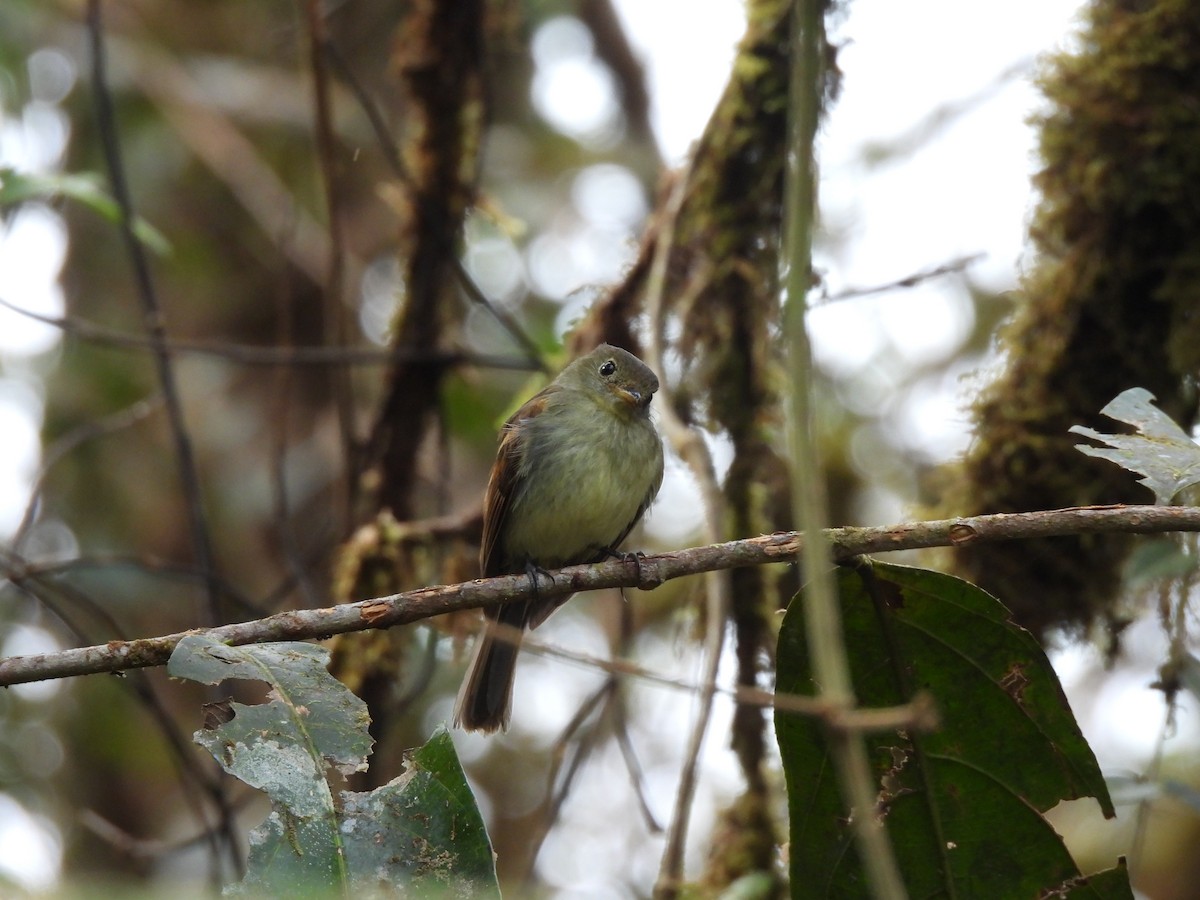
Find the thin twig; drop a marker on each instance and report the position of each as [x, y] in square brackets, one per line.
[280, 437]
[229, 154]
[151, 312]
[192, 775]
[391, 153]
[953, 267]
[152, 316]
[337, 328]
[558, 781]
[251, 355]
[81, 434]
[150, 566]
[650, 571]
[920, 714]
[618, 710]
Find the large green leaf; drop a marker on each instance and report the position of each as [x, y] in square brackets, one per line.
[420, 832]
[963, 804]
[423, 828]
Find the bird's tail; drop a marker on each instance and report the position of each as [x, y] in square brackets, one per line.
[485, 698]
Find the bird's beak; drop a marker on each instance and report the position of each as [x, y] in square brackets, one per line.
[634, 398]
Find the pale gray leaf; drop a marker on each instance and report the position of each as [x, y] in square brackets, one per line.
[1161, 452]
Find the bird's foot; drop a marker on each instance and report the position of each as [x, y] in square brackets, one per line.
[645, 581]
[532, 571]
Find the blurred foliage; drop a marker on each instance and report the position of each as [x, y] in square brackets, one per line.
[215, 116]
[324, 483]
[421, 832]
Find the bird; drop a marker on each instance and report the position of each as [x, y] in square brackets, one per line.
[577, 466]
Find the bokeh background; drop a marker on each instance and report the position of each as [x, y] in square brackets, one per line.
[927, 158]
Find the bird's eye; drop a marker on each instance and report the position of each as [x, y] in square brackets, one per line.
[608, 368]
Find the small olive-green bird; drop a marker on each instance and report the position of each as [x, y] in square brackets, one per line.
[577, 466]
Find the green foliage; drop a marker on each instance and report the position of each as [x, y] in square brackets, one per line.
[420, 832]
[962, 804]
[1157, 560]
[84, 188]
[1161, 452]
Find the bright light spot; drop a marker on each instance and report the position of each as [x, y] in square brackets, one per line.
[378, 298]
[496, 265]
[1073, 661]
[609, 197]
[561, 39]
[30, 848]
[40, 750]
[931, 420]
[927, 325]
[47, 130]
[572, 90]
[561, 262]
[845, 337]
[674, 518]
[51, 75]
[32, 250]
[687, 49]
[20, 455]
[550, 690]
[576, 97]
[50, 540]
[1133, 719]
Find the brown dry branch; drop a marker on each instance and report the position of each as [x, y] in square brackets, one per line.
[644, 572]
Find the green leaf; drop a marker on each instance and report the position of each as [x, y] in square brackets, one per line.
[422, 831]
[282, 747]
[310, 714]
[1162, 453]
[963, 804]
[21, 187]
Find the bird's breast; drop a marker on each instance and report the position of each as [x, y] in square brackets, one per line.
[580, 496]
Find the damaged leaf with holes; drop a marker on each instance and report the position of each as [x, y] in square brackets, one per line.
[1161, 452]
[421, 832]
[963, 805]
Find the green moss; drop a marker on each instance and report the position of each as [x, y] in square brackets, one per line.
[1108, 306]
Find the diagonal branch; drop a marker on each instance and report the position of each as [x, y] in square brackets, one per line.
[647, 573]
[152, 314]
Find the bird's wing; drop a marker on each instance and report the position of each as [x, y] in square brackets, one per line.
[502, 483]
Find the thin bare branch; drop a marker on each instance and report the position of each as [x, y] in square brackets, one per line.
[918, 715]
[953, 267]
[647, 573]
[391, 153]
[81, 434]
[251, 355]
[151, 310]
[337, 329]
